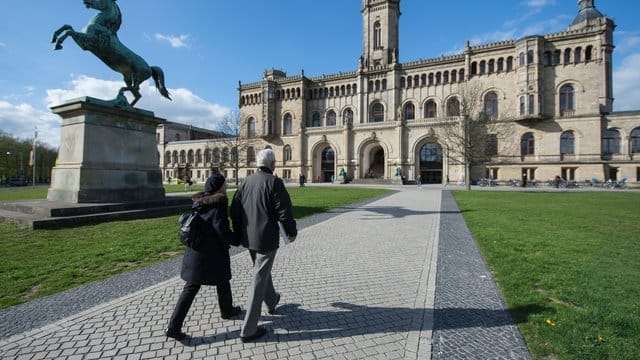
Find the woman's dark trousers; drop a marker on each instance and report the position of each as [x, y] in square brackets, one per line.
[189, 292]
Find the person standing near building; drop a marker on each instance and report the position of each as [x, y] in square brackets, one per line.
[259, 205]
[210, 263]
[419, 182]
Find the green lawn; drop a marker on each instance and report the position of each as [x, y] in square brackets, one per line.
[35, 263]
[574, 258]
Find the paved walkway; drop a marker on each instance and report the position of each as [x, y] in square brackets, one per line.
[356, 285]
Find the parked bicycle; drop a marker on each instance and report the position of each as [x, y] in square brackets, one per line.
[484, 182]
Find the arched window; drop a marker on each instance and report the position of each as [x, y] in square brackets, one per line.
[438, 78]
[567, 143]
[500, 64]
[190, 157]
[377, 35]
[174, 158]
[234, 154]
[546, 58]
[556, 57]
[315, 120]
[521, 59]
[611, 142]
[454, 76]
[207, 156]
[483, 65]
[286, 153]
[167, 157]
[530, 57]
[430, 109]
[492, 66]
[251, 127]
[225, 155]
[216, 155]
[510, 63]
[423, 80]
[445, 77]
[491, 104]
[635, 141]
[527, 144]
[577, 55]
[409, 82]
[430, 79]
[377, 113]
[251, 155]
[588, 53]
[331, 118]
[567, 105]
[198, 156]
[522, 105]
[287, 124]
[403, 82]
[474, 68]
[409, 111]
[347, 116]
[453, 107]
[567, 56]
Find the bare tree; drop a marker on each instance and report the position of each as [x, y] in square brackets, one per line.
[472, 139]
[237, 149]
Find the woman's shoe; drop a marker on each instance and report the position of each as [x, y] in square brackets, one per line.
[176, 334]
[234, 311]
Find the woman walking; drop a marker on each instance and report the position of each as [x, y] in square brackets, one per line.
[210, 263]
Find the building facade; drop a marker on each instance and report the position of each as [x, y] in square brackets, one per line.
[551, 96]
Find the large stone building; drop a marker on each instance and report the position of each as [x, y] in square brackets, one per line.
[550, 96]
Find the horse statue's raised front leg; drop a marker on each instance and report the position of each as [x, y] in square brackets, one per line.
[59, 40]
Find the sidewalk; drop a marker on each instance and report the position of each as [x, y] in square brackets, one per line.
[359, 283]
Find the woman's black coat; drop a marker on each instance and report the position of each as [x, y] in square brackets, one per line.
[210, 264]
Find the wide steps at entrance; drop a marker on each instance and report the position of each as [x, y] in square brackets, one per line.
[371, 181]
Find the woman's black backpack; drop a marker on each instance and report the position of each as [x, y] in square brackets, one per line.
[190, 231]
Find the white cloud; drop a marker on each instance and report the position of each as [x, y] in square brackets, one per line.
[19, 120]
[627, 42]
[174, 41]
[625, 84]
[538, 3]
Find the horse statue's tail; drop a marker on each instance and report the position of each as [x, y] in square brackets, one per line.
[158, 77]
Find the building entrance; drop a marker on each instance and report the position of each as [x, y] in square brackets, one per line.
[327, 165]
[431, 163]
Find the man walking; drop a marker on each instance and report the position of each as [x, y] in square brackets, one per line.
[259, 204]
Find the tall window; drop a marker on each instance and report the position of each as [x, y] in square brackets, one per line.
[530, 57]
[521, 59]
[377, 113]
[409, 111]
[567, 143]
[611, 142]
[567, 56]
[377, 35]
[225, 155]
[286, 153]
[331, 118]
[500, 64]
[315, 120]
[183, 157]
[522, 105]
[216, 155]
[430, 109]
[527, 144]
[287, 124]
[532, 104]
[556, 57]
[453, 107]
[190, 157]
[566, 100]
[492, 66]
[577, 55]
[347, 116]
[198, 156]
[251, 155]
[207, 156]
[635, 141]
[491, 104]
[510, 63]
[251, 127]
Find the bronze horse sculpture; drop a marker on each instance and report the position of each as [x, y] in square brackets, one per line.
[101, 38]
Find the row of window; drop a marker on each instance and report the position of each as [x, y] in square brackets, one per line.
[215, 156]
[611, 142]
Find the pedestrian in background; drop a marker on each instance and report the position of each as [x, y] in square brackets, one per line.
[259, 205]
[210, 263]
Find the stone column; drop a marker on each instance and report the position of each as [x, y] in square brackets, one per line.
[107, 154]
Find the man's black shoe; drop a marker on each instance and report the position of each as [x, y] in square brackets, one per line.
[273, 310]
[234, 311]
[176, 334]
[258, 334]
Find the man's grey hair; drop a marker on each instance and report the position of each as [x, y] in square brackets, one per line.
[265, 158]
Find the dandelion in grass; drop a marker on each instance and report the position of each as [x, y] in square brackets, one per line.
[550, 322]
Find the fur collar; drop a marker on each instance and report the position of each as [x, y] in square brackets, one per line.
[214, 199]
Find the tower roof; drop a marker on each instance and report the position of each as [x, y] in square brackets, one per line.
[587, 12]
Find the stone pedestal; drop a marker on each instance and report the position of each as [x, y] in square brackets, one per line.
[107, 154]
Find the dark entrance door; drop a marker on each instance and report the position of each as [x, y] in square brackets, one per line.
[431, 163]
[327, 165]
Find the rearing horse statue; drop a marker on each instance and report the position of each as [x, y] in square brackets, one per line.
[101, 38]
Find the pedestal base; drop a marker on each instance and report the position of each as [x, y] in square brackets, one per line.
[107, 154]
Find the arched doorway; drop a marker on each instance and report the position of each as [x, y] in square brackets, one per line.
[327, 164]
[373, 162]
[431, 163]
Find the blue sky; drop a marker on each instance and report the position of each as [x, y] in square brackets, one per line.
[206, 46]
